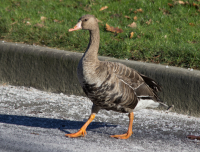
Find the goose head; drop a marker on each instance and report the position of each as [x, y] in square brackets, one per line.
[86, 22]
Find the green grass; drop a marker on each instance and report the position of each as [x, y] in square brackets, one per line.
[172, 37]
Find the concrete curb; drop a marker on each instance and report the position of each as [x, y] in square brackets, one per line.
[55, 70]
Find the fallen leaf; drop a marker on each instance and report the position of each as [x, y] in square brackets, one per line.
[127, 17]
[57, 21]
[191, 24]
[139, 10]
[103, 8]
[193, 137]
[181, 2]
[87, 8]
[178, 29]
[39, 25]
[28, 23]
[170, 5]
[113, 29]
[196, 5]
[133, 25]
[165, 12]
[131, 35]
[42, 18]
[148, 22]
[13, 23]
[135, 18]
[34, 133]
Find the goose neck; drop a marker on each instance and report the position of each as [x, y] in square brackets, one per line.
[91, 54]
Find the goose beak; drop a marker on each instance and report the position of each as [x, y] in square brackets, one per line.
[76, 27]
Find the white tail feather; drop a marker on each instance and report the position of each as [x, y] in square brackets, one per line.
[142, 104]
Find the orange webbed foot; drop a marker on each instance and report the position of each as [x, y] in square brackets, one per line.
[80, 133]
[129, 132]
[123, 136]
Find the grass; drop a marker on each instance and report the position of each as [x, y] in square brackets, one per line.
[172, 35]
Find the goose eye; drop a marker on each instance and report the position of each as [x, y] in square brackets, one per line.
[86, 19]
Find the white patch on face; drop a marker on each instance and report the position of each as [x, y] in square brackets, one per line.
[142, 104]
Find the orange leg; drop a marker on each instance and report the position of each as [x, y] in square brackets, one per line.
[129, 132]
[82, 131]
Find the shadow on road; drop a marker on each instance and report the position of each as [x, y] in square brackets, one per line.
[49, 122]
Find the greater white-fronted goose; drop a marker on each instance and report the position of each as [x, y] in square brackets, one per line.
[109, 85]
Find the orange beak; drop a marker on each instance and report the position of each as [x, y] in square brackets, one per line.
[76, 27]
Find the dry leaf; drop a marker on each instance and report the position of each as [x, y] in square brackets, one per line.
[127, 17]
[13, 23]
[43, 18]
[170, 5]
[57, 21]
[87, 8]
[139, 10]
[28, 23]
[135, 18]
[178, 29]
[196, 5]
[113, 29]
[39, 25]
[191, 24]
[193, 137]
[131, 35]
[181, 2]
[103, 8]
[133, 25]
[148, 22]
[165, 12]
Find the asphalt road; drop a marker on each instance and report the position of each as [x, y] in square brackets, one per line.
[36, 121]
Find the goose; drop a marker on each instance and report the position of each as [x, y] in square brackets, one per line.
[111, 85]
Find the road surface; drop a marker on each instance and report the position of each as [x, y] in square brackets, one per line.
[36, 121]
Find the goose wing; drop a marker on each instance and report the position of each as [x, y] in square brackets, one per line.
[144, 87]
[118, 87]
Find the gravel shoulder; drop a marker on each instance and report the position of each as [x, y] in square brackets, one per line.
[33, 120]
